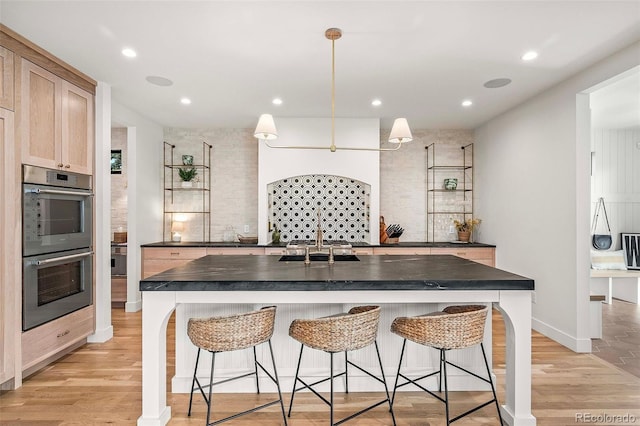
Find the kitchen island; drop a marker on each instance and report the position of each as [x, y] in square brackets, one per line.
[386, 280]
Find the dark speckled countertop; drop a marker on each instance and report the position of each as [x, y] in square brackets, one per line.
[267, 273]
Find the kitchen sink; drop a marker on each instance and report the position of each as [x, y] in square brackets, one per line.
[319, 257]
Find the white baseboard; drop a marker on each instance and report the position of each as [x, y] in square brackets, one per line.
[101, 336]
[571, 342]
[164, 418]
[133, 306]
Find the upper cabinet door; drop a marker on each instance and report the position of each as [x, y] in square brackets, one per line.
[6, 79]
[57, 122]
[40, 117]
[77, 129]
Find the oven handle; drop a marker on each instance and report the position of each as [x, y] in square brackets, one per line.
[59, 192]
[58, 259]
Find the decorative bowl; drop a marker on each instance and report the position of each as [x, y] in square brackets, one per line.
[450, 183]
[247, 240]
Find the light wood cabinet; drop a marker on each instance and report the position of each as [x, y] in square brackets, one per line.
[6, 78]
[484, 255]
[118, 291]
[274, 251]
[57, 121]
[47, 340]
[46, 119]
[235, 250]
[362, 251]
[402, 250]
[159, 259]
[9, 274]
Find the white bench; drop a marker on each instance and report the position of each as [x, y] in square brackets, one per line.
[613, 273]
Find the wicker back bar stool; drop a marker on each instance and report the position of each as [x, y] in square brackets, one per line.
[232, 333]
[354, 330]
[456, 327]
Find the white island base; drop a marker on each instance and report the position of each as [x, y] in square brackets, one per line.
[158, 306]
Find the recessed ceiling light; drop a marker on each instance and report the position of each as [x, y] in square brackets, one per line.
[376, 102]
[497, 82]
[159, 81]
[277, 101]
[467, 103]
[129, 52]
[185, 101]
[530, 56]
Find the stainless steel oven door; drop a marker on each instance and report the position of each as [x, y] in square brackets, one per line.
[54, 285]
[55, 219]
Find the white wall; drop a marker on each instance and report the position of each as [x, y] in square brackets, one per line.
[102, 202]
[234, 179]
[119, 183]
[616, 178]
[532, 191]
[144, 193]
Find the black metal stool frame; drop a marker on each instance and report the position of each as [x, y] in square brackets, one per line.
[442, 372]
[333, 376]
[207, 397]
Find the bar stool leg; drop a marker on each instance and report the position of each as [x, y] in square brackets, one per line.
[275, 374]
[213, 359]
[295, 381]
[255, 366]
[384, 381]
[395, 386]
[331, 388]
[346, 375]
[493, 389]
[193, 382]
[440, 373]
[443, 356]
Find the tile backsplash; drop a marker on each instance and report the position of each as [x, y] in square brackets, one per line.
[343, 204]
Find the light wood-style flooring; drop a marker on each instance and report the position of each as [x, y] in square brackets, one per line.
[100, 384]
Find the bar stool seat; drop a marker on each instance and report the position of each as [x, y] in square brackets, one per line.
[231, 333]
[456, 327]
[354, 330]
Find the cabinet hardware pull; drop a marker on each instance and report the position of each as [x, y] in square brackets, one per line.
[64, 333]
[175, 253]
[59, 192]
[62, 258]
[60, 164]
[68, 166]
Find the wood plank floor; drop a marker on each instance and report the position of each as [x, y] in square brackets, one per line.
[100, 384]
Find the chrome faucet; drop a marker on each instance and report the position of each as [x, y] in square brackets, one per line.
[319, 234]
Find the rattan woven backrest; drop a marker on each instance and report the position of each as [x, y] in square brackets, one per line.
[354, 330]
[458, 327]
[232, 332]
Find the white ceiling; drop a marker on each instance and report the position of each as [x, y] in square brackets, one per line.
[421, 58]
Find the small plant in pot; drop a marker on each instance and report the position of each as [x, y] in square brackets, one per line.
[187, 175]
[465, 228]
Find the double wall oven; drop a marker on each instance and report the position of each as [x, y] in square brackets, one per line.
[57, 244]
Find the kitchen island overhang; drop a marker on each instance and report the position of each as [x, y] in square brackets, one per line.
[374, 279]
[386, 273]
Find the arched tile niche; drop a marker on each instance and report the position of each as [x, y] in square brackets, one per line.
[343, 204]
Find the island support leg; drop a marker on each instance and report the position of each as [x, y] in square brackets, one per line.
[157, 307]
[516, 309]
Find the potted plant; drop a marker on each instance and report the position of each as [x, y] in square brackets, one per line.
[187, 175]
[465, 228]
